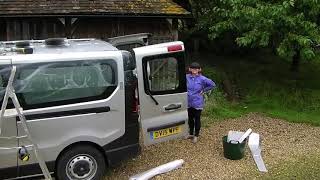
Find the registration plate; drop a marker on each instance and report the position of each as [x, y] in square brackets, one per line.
[165, 132]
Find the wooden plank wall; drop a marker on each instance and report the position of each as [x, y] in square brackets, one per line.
[3, 29]
[163, 30]
[30, 28]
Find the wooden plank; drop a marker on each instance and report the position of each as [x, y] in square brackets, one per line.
[25, 30]
[68, 27]
[17, 30]
[8, 31]
[174, 29]
[44, 29]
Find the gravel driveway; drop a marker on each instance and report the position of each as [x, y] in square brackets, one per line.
[281, 142]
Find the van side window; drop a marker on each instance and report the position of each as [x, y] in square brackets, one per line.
[2, 87]
[4, 77]
[60, 83]
[164, 74]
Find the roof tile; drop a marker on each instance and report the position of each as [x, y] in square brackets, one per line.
[90, 7]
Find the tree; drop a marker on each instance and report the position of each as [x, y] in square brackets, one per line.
[287, 26]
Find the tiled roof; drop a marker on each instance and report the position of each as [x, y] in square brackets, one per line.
[91, 7]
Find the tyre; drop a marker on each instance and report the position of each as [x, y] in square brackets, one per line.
[81, 162]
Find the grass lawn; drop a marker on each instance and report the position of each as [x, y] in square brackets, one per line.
[303, 167]
[264, 85]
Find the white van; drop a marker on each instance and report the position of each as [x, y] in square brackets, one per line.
[81, 97]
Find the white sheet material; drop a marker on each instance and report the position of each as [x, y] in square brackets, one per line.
[158, 170]
[238, 136]
[254, 140]
[234, 136]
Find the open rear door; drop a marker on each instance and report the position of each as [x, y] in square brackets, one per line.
[162, 91]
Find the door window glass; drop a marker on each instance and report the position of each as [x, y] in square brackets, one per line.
[65, 82]
[164, 74]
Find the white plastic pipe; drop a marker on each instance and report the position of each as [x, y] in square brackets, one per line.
[246, 134]
[158, 170]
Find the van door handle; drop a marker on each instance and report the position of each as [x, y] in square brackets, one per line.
[172, 107]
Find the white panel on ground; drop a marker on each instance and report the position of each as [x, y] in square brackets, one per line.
[254, 145]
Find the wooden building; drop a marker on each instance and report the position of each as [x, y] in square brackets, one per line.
[41, 19]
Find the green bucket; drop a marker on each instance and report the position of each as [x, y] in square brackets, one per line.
[233, 151]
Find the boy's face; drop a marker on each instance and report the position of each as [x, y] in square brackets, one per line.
[195, 71]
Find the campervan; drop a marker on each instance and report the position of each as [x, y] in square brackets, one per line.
[86, 103]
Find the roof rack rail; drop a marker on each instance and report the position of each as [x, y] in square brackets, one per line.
[42, 41]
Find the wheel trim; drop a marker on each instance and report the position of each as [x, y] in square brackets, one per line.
[81, 167]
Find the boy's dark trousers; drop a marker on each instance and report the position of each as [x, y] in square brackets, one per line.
[194, 121]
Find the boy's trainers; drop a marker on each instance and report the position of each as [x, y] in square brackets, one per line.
[195, 139]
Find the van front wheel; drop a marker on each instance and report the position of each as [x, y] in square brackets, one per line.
[81, 162]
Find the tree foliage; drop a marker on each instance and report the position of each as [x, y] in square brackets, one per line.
[288, 26]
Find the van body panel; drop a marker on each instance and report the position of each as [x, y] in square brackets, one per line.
[87, 92]
[100, 127]
[79, 56]
[162, 92]
[8, 148]
[5, 61]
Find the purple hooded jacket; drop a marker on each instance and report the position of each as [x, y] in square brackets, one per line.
[196, 85]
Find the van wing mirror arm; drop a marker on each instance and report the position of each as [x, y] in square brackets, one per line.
[155, 101]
